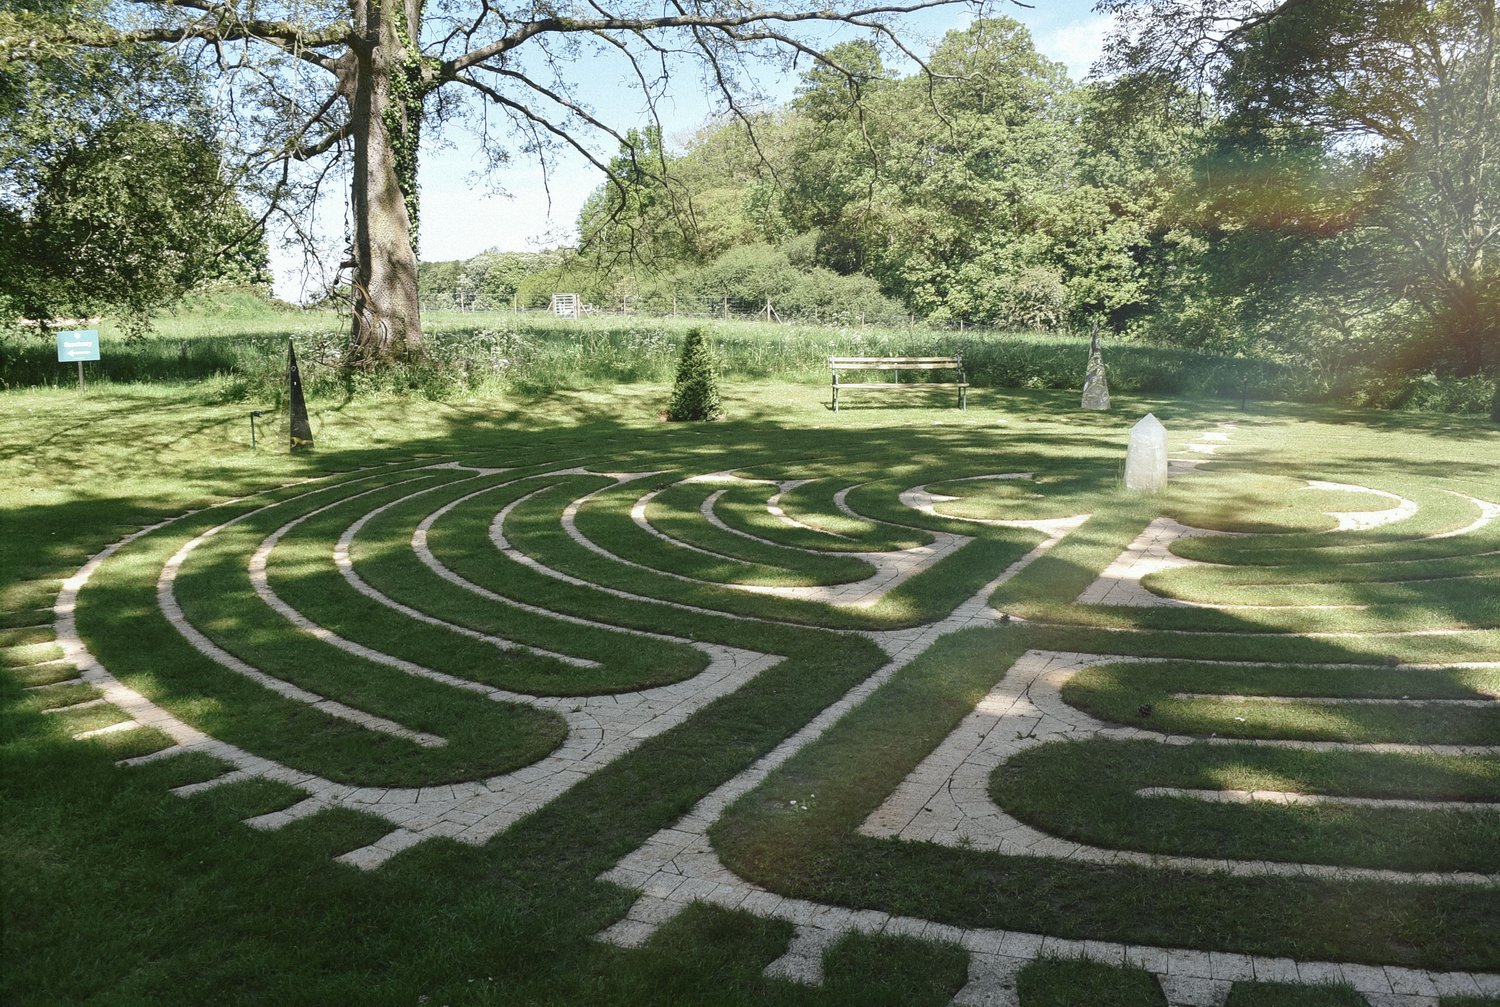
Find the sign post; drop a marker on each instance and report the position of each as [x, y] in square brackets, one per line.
[77, 345]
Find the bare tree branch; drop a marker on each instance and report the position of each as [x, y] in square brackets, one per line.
[555, 25]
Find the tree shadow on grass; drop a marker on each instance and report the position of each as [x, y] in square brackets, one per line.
[523, 907]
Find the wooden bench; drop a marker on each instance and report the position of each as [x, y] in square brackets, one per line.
[899, 364]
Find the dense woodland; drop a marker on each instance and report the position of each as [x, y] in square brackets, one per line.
[1342, 225]
[1315, 183]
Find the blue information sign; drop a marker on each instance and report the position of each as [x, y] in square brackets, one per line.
[77, 344]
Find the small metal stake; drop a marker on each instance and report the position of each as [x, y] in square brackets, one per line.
[253, 415]
[80, 375]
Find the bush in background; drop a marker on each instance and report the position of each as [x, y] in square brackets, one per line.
[744, 279]
[1426, 393]
[695, 393]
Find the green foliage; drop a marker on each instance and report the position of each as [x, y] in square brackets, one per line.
[994, 194]
[52, 95]
[744, 279]
[1000, 194]
[111, 188]
[228, 303]
[488, 281]
[243, 358]
[695, 393]
[403, 118]
[659, 211]
[1349, 204]
[635, 216]
[133, 218]
[1428, 393]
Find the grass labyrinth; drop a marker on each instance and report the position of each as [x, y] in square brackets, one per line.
[883, 710]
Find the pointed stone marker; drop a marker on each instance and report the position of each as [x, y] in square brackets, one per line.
[1146, 458]
[300, 427]
[1095, 382]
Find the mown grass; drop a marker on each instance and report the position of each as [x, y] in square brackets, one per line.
[384, 562]
[1152, 695]
[1086, 792]
[819, 854]
[676, 512]
[1060, 982]
[811, 505]
[1288, 995]
[117, 890]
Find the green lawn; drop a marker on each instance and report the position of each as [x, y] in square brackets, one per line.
[428, 626]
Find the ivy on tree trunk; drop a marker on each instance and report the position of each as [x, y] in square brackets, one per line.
[385, 121]
[381, 60]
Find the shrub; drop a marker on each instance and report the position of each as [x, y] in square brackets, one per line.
[1426, 393]
[695, 393]
[743, 279]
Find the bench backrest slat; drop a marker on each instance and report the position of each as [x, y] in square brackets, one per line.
[893, 363]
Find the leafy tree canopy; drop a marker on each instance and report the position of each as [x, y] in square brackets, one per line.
[1397, 102]
[112, 192]
[308, 86]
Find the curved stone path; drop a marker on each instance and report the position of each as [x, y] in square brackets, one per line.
[167, 600]
[944, 800]
[678, 866]
[601, 728]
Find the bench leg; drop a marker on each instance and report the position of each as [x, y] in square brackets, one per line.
[835, 398]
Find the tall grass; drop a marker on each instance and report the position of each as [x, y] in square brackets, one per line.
[243, 358]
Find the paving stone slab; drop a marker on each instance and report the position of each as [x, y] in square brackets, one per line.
[1194, 991]
[992, 982]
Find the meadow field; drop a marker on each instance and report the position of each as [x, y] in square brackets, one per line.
[516, 694]
[234, 349]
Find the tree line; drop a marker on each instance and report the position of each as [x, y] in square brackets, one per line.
[1309, 179]
[1324, 187]
[312, 92]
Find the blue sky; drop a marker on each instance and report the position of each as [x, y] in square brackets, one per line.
[462, 217]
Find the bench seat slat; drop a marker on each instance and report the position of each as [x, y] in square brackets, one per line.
[904, 385]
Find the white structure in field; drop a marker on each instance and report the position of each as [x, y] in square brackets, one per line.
[567, 306]
[1146, 459]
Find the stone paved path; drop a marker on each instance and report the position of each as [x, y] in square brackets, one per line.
[892, 569]
[944, 800]
[1151, 552]
[601, 728]
[678, 866]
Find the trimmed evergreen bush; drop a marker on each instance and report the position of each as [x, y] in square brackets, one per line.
[695, 393]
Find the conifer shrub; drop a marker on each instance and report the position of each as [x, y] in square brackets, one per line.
[695, 393]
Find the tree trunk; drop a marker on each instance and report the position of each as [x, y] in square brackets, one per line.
[384, 111]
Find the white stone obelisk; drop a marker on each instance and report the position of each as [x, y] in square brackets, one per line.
[1146, 458]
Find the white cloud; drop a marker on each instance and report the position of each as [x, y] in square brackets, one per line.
[1077, 44]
